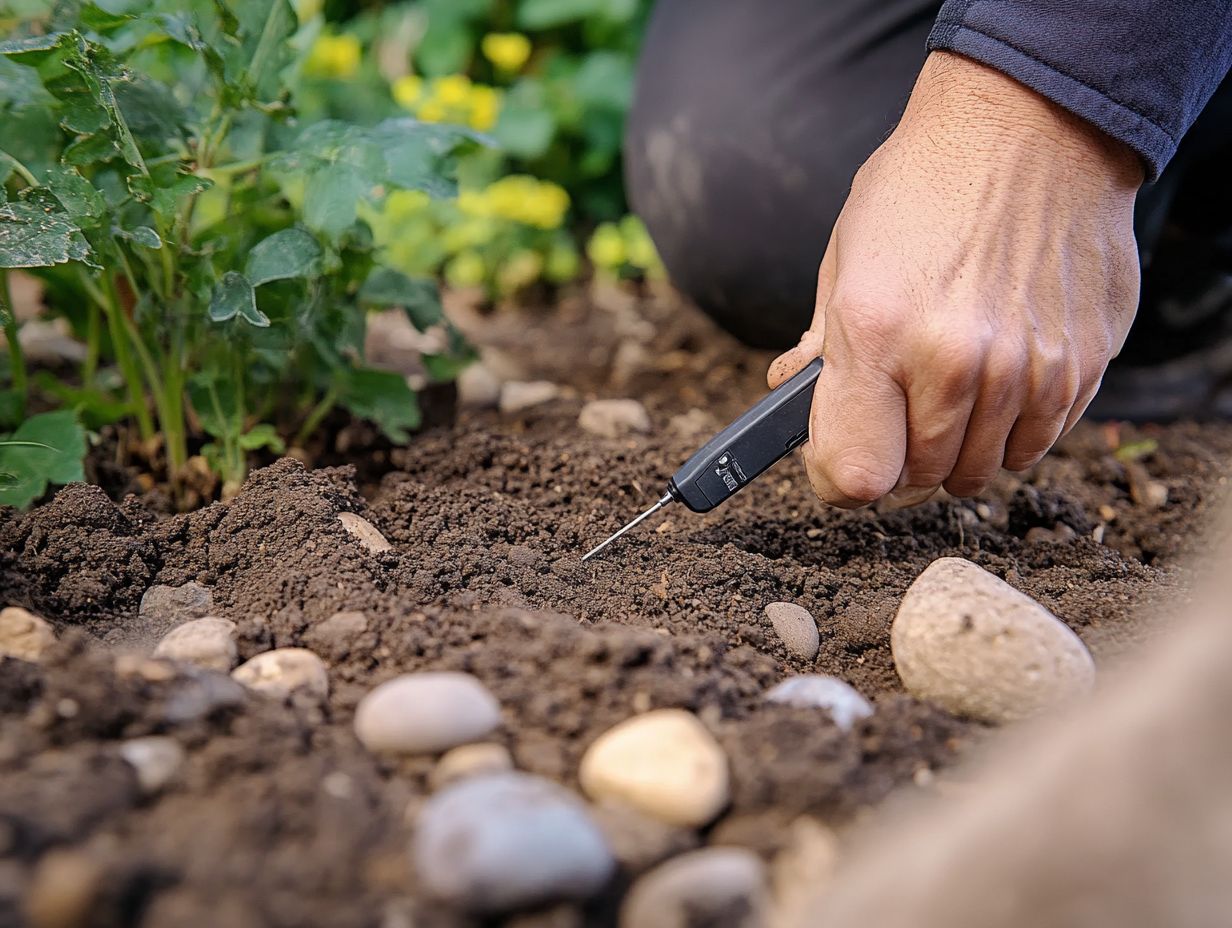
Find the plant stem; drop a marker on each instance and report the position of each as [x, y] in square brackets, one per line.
[315, 417]
[94, 336]
[25, 173]
[17, 359]
[110, 304]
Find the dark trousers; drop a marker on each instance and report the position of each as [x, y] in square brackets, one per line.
[750, 120]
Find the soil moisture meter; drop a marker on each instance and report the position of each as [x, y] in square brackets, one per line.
[761, 437]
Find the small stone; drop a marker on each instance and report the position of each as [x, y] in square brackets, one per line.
[693, 424]
[200, 694]
[630, 360]
[283, 671]
[469, 760]
[156, 759]
[63, 890]
[364, 532]
[712, 886]
[1107, 513]
[505, 841]
[972, 644]
[208, 643]
[845, 705]
[335, 636]
[166, 606]
[663, 763]
[796, 626]
[1156, 494]
[1060, 535]
[478, 387]
[23, 634]
[516, 396]
[801, 870]
[614, 418]
[425, 713]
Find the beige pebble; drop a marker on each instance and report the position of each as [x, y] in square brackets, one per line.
[364, 532]
[800, 870]
[23, 634]
[156, 759]
[516, 396]
[283, 671]
[478, 387]
[663, 763]
[711, 886]
[468, 760]
[208, 643]
[614, 418]
[972, 644]
[796, 626]
[63, 890]
[425, 713]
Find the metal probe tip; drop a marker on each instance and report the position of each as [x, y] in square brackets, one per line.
[667, 498]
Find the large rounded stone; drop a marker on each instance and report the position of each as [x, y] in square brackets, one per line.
[170, 605]
[504, 841]
[425, 713]
[208, 643]
[972, 644]
[796, 626]
[713, 886]
[614, 418]
[816, 691]
[23, 634]
[283, 671]
[664, 763]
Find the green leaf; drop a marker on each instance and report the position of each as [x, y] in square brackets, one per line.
[444, 368]
[33, 234]
[141, 235]
[234, 296]
[526, 125]
[84, 116]
[94, 17]
[385, 399]
[45, 449]
[77, 195]
[34, 50]
[419, 297]
[90, 149]
[332, 198]
[166, 195]
[548, 14]
[290, 253]
[216, 402]
[262, 436]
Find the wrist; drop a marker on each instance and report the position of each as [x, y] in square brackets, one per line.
[967, 110]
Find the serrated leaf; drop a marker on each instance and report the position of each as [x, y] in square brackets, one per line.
[32, 234]
[141, 235]
[94, 17]
[165, 198]
[234, 296]
[384, 398]
[290, 253]
[419, 297]
[332, 198]
[99, 70]
[48, 449]
[262, 436]
[216, 403]
[33, 50]
[90, 149]
[84, 116]
[76, 194]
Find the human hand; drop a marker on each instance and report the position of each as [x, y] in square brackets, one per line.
[980, 277]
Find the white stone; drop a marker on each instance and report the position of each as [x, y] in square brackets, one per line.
[503, 841]
[156, 759]
[425, 713]
[972, 644]
[468, 760]
[23, 634]
[283, 671]
[171, 605]
[796, 626]
[517, 395]
[712, 886]
[364, 532]
[663, 763]
[614, 418]
[207, 643]
[478, 387]
[845, 705]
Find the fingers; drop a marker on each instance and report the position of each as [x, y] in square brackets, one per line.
[858, 434]
[792, 361]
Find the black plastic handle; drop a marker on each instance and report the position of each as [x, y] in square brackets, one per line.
[774, 427]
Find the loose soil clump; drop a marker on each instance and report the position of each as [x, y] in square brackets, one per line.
[279, 817]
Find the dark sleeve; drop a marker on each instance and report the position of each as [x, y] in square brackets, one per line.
[1140, 70]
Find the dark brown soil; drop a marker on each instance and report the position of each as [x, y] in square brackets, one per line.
[280, 818]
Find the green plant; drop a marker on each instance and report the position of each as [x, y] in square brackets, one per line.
[203, 242]
[46, 449]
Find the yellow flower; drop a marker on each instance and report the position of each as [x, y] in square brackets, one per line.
[561, 264]
[520, 270]
[307, 9]
[335, 56]
[452, 89]
[507, 50]
[432, 111]
[638, 245]
[465, 270]
[407, 90]
[485, 105]
[402, 204]
[606, 247]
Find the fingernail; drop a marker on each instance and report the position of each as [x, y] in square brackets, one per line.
[905, 497]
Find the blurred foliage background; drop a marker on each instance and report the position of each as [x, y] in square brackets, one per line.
[550, 81]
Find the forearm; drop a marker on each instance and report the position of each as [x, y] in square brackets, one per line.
[1139, 70]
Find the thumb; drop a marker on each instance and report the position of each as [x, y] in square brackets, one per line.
[794, 360]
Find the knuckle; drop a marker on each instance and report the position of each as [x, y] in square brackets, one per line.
[968, 484]
[858, 478]
[1006, 368]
